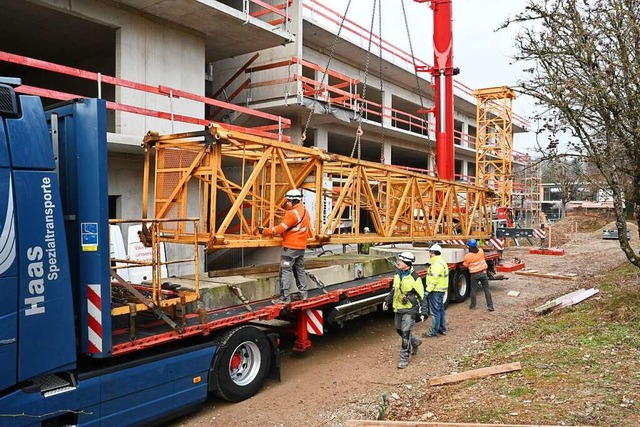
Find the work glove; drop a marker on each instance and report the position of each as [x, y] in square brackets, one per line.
[266, 231]
[421, 317]
[385, 306]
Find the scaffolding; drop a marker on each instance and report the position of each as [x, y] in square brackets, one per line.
[527, 195]
[494, 144]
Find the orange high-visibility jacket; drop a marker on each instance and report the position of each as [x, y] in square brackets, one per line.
[475, 262]
[295, 227]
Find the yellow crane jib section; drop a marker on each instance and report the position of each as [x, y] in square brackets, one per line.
[494, 142]
[236, 182]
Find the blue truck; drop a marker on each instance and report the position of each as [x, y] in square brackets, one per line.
[57, 364]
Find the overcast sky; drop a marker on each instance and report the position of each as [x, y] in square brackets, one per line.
[483, 55]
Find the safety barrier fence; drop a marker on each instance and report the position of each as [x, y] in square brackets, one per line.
[319, 12]
[267, 11]
[272, 130]
[343, 91]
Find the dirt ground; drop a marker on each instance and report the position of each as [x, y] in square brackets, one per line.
[345, 374]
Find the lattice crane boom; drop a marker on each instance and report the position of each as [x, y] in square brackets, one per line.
[238, 182]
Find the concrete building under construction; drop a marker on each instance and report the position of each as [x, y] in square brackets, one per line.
[272, 68]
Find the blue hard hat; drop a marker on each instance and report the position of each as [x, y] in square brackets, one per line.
[472, 243]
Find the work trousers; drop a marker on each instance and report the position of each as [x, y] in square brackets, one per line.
[404, 323]
[477, 280]
[292, 271]
[436, 306]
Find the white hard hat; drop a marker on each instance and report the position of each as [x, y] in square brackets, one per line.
[407, 257]
[435, 248]
[293, 195]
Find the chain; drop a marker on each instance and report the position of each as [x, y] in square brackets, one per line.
[359, 131]
[381, 82]
[326, 68]
[415, 72]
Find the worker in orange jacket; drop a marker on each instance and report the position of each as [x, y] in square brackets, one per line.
[295, 229]
[477, 266]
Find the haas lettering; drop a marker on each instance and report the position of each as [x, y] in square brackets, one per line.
[35, 269]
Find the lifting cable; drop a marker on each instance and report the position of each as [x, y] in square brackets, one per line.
[415, 72]
[381, 82]
[364, 87]
[326, 69]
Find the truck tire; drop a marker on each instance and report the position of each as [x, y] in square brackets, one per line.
[461, 286]
[241, 363]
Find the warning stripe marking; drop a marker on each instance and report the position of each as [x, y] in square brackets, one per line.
[314, 322]
[94, 318]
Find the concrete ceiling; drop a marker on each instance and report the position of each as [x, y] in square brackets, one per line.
[229, 31]
[43, 33]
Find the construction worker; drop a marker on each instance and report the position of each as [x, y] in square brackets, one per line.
[405, 295]
[363, 248]
[437, 283]
[295, 229]
[477, 266]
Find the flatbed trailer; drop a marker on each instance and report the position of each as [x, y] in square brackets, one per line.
[336, 301]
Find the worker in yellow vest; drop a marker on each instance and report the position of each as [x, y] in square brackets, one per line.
[437, 283]
[406, 295]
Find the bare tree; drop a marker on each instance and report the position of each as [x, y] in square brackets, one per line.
[585, 74]
[567, 176]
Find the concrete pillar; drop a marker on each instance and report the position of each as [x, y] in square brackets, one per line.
[387, 101]
[322, 138]
[387, 152]
[465, 137]
[295, 132]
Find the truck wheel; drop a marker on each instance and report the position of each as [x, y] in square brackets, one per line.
[241, 363]
[461, 285]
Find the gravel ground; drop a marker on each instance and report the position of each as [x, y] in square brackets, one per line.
[345, 374]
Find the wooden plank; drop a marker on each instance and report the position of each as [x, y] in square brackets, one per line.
[476, 373]
[578, 298]
[546, 275]
[367, 423]
[554, 302]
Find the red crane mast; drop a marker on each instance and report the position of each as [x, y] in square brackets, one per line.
[442, 72]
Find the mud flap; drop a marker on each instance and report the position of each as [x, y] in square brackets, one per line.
[274, 370]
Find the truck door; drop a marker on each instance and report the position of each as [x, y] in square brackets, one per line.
[42, 292]
[8, 271]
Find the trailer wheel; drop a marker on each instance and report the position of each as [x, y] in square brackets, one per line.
[241, 363]
[461, 285]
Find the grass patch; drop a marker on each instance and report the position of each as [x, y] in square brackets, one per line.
[580, 366]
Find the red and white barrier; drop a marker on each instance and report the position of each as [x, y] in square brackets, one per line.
[539, 233]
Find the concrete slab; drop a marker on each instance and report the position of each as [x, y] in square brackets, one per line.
[215, 292]
[450, 255]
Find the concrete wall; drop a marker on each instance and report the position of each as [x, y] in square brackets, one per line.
[151, 52]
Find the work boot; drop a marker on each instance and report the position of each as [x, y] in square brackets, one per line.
[403, 364]
[281, 300]
[429, 334]
[414, 347]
